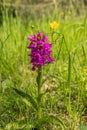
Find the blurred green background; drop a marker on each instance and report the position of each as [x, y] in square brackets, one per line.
[24, 8]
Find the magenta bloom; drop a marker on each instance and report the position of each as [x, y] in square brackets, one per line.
[40, 50]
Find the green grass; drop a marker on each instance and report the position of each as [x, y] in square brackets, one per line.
[67, 96]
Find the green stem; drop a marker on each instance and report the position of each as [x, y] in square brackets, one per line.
[39, 88]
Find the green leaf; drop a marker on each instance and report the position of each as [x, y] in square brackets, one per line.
[49, 119]
[27, 96]
[14, 126]
[69, 70]
[59, 121]
[42, 121]
[69, 83]
[84, 52]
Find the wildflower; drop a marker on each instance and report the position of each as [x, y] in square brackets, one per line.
[85, 71]
[54, 25]
[40, 50]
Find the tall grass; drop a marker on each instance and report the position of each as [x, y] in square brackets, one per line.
[66, 78]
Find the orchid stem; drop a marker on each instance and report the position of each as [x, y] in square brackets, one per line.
[39, 88]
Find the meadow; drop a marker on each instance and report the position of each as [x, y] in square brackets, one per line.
[65, 81]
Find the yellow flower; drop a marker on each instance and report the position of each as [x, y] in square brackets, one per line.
[85, 71]
[54, 25]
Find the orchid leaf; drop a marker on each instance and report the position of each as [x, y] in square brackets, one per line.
[27, 96]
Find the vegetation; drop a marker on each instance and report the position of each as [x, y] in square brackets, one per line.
[65, 81]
